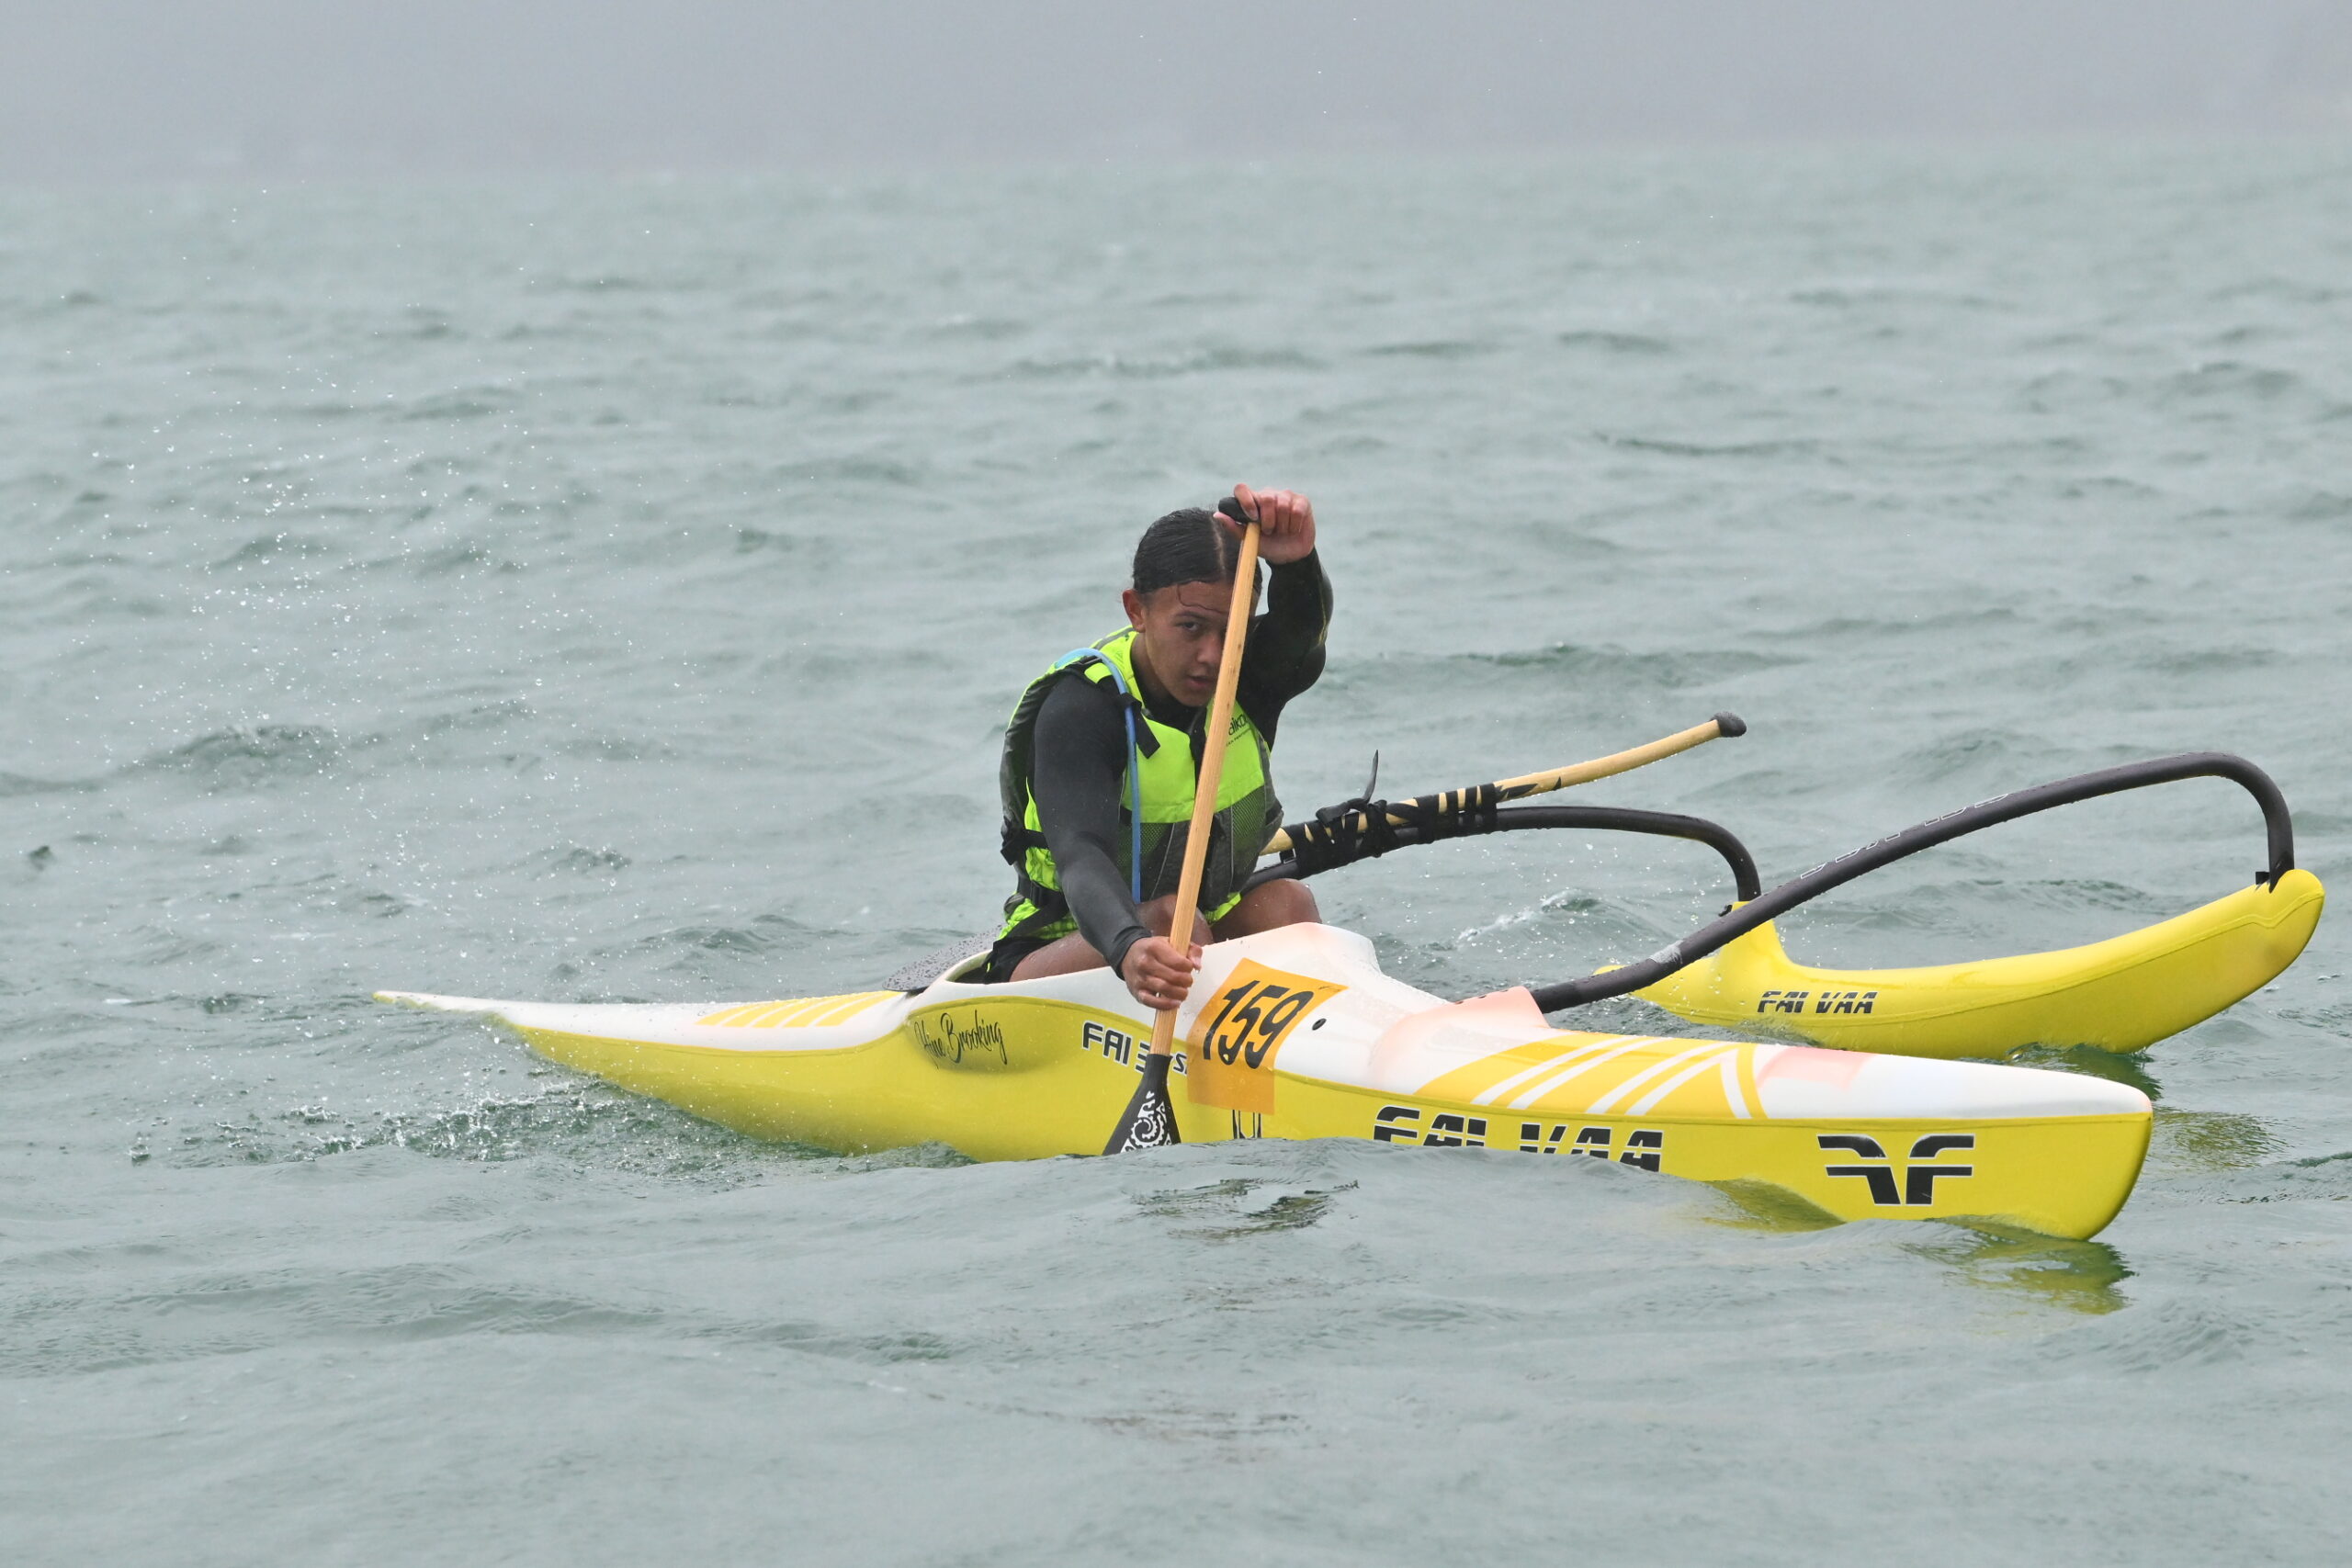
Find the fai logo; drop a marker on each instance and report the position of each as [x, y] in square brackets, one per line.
[1827, 1002]
[1917, 1187]
[1644, 1147]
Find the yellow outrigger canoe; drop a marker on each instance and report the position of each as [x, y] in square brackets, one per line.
[1297, 1034]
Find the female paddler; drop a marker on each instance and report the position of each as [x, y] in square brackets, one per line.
[1101, 756]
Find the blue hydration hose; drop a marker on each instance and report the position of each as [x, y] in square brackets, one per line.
[1134, 766]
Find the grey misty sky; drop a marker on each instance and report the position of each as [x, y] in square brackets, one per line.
[174, 88]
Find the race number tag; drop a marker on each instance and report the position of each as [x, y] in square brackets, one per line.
[1235, 1037]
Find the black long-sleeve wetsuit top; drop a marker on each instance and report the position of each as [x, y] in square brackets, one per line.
[1079, 766]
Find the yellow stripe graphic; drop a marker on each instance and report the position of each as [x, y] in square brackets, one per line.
[1488, 1096]
[1553, 1083]
[1735, 1065]
[1609, 1075]
[849, 1008]
[1649, 1101]
[794, 1014]
[1656, 1069]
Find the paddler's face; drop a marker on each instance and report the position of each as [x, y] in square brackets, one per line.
[1180, 637]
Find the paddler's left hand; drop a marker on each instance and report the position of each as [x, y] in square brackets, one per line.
[1285, 522]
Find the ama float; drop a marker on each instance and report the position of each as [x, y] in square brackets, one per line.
[1852, 1099]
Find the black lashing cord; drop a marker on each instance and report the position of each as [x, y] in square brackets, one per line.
[1364, 829]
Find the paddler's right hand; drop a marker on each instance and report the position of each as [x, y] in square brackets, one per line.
[1156, 975]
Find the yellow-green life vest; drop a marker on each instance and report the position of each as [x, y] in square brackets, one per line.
[1161, 773]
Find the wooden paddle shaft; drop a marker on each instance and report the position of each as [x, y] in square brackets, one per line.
[1561, 778]
[1212, 773]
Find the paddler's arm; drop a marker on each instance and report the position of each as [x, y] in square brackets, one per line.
[1080, 766]
[1285, 654]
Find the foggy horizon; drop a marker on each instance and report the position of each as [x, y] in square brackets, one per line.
[138, 89]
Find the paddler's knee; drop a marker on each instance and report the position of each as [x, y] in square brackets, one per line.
[1159, 914]
[1286, 902]
[1283, 903]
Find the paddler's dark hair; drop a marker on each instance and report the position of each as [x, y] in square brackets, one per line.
[1189, 546]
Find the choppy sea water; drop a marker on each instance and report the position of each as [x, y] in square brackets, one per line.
[613, 590]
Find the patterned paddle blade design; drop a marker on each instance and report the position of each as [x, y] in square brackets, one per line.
[1150, 1121]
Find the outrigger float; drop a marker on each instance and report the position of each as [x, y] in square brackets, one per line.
[1856, 1107]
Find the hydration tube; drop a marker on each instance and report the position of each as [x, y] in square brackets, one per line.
[1943, 829]
[1134, 768]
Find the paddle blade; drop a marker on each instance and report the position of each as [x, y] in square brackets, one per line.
[1150, 1121]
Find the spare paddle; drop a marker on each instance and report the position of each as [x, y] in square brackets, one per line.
[1150, 1120]
[1453, 801]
